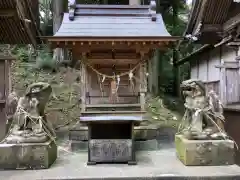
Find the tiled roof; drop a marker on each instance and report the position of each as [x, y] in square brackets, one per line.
[112, 21]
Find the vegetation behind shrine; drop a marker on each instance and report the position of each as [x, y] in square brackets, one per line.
[64, 105]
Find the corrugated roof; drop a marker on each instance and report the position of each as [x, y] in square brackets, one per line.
[112, 21]
[20, 27]
[214, 12]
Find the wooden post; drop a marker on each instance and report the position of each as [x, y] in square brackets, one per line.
[5, 88]
[150, 76]
[176, 82]
[83, 82]
[142, 84]
[223, 84]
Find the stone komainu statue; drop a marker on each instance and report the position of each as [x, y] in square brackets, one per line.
[203, 118]
[26, 118]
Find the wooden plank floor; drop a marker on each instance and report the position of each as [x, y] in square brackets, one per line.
[112, 105]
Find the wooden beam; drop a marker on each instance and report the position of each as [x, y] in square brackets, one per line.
[8, 12]
[228, 65]
[108, 46]
[110, 39]
[117, 61]
[231, 23]
[211, 28]
[108, 55]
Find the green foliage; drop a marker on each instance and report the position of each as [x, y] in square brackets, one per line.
[175, 18]
[22, 54]
[46, 17]
[160, 114]
[44, 59]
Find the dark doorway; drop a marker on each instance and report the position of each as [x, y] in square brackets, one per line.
[118, 2]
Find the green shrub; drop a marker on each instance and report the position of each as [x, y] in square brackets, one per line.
[22, 54]
[44, 59]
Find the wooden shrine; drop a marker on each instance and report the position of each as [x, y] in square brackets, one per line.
[112, 44]
[5, 87]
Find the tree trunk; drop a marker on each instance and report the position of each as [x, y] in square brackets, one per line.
[57, 20]
[176, 83]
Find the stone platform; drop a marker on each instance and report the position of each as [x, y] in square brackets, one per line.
[204, 152]
[152, 165]
[28, 155]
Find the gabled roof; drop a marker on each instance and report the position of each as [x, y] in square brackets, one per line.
[112, 26]
[113, 21]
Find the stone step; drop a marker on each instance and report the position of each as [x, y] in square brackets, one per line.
[113, 107]
[90, 113]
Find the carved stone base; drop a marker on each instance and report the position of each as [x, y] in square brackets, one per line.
[110, 151]
[28, 155]
[204, 152]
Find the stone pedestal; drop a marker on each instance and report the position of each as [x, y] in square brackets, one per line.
[110, 150]
[28, 155]
[204, 152]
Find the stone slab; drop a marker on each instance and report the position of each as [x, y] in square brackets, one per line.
[140, 133]
[149, 145]
[152, 165]
[28, 155]
[110, 150]
[204, 152]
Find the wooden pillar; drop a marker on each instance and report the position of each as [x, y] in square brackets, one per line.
[83, 83]
[150, 76]
[142, 84]
[176, 82]
[223, 84]
[5, 88]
